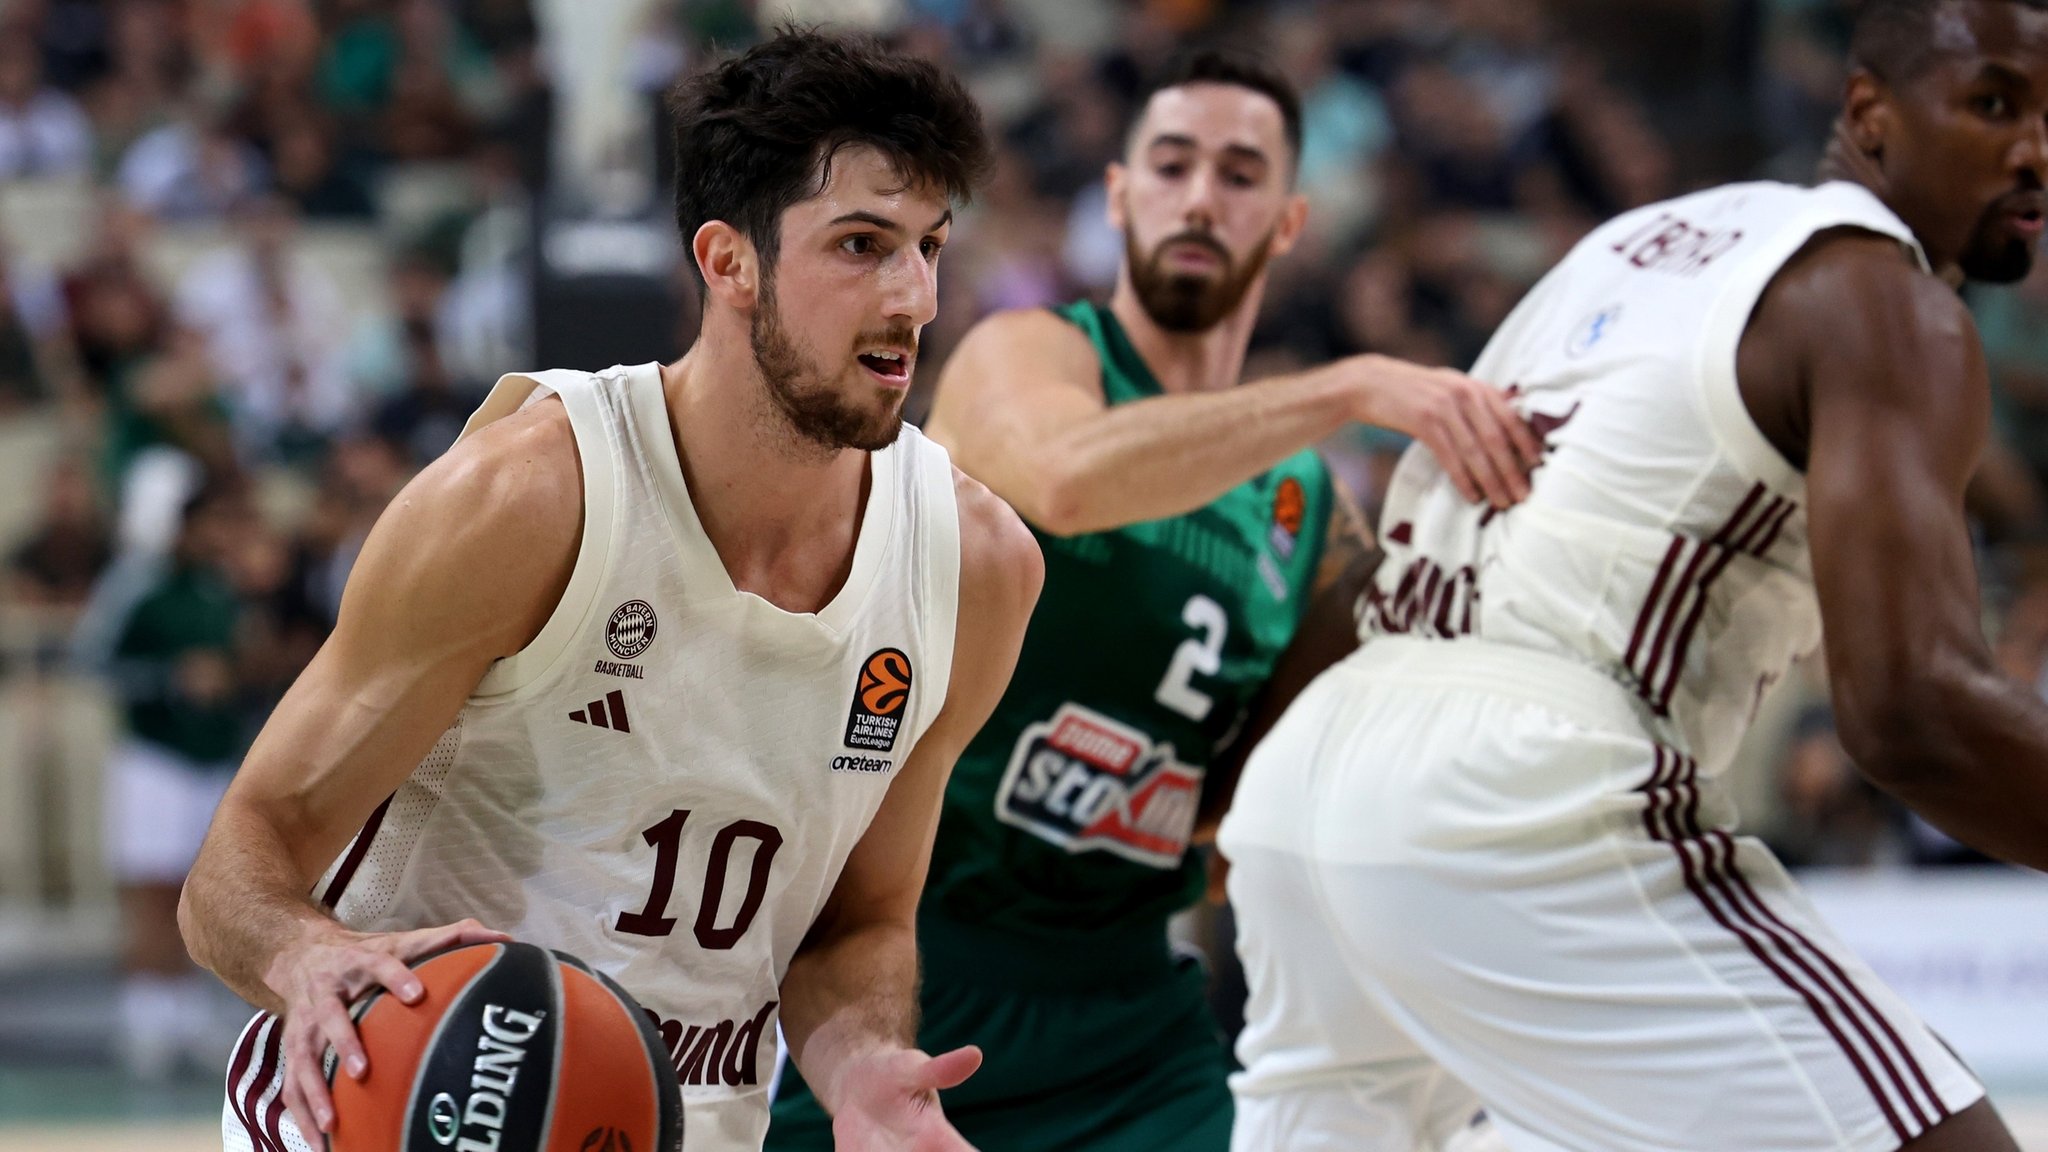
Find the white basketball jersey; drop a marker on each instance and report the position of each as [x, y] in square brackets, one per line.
[668, 780]
[1664, 542]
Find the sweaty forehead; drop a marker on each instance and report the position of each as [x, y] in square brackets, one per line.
[1968, 34]
[1214, 116]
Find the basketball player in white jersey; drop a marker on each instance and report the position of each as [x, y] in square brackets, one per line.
[664, 666]
[1486, 853]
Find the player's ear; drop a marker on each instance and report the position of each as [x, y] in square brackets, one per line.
[1115, 180]
[729, 262]
[1868, 118]
[1293, 218]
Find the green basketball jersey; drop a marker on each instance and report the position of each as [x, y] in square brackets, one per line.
[1072, 809]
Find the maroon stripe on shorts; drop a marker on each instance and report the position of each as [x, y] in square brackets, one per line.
[356, 852]
[1904, 1054]
[245, 1053]
[1710, 885]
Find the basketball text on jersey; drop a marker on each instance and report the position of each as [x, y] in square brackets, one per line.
[879, 696]
[728, 1052]
[1084, 782]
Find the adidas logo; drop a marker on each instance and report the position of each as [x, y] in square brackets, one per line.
[609, 712]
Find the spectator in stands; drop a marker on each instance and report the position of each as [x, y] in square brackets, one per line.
[55, 723]
[148, 70]
[426, 415]
[43, 132]
[31, 338]
[191, 168]
[68, 547]
[1833, 816]
[176, 673]
[276, 329]
[117, 317]
[308, 172]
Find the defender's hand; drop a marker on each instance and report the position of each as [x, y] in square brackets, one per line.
[889, 1101]
[319, 976]
[1484, 445]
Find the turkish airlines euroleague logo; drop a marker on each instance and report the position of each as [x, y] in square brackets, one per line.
[1290, 505]
[879, 699]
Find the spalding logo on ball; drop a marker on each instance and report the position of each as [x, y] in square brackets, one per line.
[513, 1048]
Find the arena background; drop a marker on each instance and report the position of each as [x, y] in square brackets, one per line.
[286, 244]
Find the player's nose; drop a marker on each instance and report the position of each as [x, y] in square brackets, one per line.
[913, 293]
[1200, 209]
[2030, 155]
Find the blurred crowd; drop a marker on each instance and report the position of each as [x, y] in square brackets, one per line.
[305, 255]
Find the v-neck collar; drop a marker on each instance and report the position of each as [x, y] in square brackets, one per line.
[703, 571]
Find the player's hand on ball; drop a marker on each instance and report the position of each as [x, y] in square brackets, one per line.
[1485, 446]
[890, 1102]
[318, 976]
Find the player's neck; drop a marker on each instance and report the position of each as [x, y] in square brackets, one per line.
[1188, 361]
[1843, 160]
[782, 517]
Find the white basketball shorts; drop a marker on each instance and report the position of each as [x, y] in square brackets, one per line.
[1465, 870]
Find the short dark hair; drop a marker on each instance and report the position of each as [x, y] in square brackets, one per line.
[1893, 40]
[1238, 68]
[757, 133]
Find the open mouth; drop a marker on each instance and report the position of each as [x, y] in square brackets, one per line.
[893, 367]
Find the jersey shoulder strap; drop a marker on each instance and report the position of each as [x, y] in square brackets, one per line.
[600, 467]
[1125, 375]
[1811, 211]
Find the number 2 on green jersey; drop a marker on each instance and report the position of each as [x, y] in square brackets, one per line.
[1201, 653]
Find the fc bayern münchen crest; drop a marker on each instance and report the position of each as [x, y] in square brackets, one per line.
[630, 630]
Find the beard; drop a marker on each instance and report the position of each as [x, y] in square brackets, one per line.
[818, 413]
[1179, 302]
[1995, 256]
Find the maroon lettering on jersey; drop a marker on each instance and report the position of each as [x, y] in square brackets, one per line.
[726, 1052]
[1426, 600]
[1669, 244]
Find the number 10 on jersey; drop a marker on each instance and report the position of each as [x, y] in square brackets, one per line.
[666, 837]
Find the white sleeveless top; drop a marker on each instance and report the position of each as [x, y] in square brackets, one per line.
[668, 780]
[1664, 542]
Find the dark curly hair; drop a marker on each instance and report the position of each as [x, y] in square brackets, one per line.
[757, 133]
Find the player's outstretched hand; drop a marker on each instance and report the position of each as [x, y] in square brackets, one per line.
[890, 1102]
[1485, 446]
[319, 976]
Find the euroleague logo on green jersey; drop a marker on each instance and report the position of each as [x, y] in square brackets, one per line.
[881, 694]
[1086, 782]
[1290, 507]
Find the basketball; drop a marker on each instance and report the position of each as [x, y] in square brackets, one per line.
[513, 1048]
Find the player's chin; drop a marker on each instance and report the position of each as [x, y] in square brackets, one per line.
[2007, 260]
[879, 425]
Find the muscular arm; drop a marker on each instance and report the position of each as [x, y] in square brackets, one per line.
[852, 988]
[1021, 408]
[1896, 409]
[461, 570]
